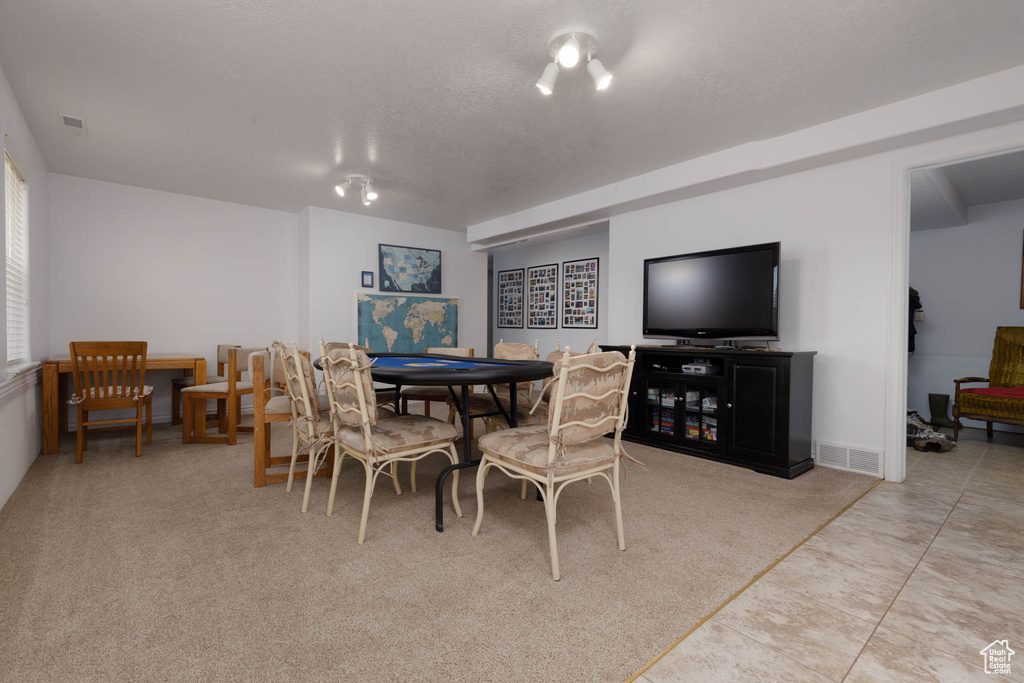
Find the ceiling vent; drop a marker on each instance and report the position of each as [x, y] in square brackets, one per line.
[73, 124]
[849, 458]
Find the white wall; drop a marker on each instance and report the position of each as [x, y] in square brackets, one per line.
[180, 272]
[19, 411]
[342, 245]
[557, 252]
[834, 224]
[969, 280]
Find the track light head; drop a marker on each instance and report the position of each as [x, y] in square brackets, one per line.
[366, 198]
[602, 76]
[546, 84]
[369, 192]
[569, 53]
[341, 189]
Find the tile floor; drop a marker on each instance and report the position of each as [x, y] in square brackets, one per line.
[907, 585]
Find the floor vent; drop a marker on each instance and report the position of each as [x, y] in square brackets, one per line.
[849, 458]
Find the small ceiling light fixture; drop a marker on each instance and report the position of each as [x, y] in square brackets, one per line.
[366, 193]
[546, 84]
[566, 46]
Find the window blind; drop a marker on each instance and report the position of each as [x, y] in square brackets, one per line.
[16, 232]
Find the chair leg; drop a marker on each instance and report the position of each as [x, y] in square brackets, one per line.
[233, 410]
[405, 405]
[222, 416]
[80, 435]
[412, 477]
[549, 509]
[454, 457]
[338, 456]
[175, 404]
[366, 502]
[85, 431]
[310, 471]
[617, 493]
[426, 408]
[988, 430]
[522, 491]
[149, 420]
[139, 405]
[481, 475]
[394, 477]
[295, 456]
[187, 416]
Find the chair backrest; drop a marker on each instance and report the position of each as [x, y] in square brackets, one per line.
[300, 383]
[514, 351]
[277, 376]
[223, 354]
[350, 389]
[555, 358]
[1007, 366]
[108, 371]
[331, 346]
[238, 361]
[590, 398]
[462, 352]
[558, 347]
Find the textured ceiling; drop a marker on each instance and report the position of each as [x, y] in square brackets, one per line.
[270, 103]
[981, 181]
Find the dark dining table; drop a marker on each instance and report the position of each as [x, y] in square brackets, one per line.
[421, 369]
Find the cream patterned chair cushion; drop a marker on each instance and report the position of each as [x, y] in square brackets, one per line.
[439, 392]
[399, 433]
[527, 447]
[600, 415]
[345, 394]
[217, 388]
[189, 381]
[282, 405]
[116, 392]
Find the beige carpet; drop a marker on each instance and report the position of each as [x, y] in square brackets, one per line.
[173, 567]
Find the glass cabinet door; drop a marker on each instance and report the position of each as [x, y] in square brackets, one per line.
[660, 408]
[700, 412]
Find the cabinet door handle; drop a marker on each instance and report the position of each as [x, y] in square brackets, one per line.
[634, 393]
[728, 405]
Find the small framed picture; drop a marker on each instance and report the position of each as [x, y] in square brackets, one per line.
[368, 278]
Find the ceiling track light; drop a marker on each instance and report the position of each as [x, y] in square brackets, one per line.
[367, 192]
[566, 46]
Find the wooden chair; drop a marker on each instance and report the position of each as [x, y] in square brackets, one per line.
[110, 376]
[178, 383]
[590, 397]
[377, 444]
[231, 391]
[1003, 400]
[433, 394]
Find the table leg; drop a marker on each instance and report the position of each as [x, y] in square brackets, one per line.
[62, 402]
[398, 399]
[50, 408]
[260, 429]
[199, 423]
[467, 461]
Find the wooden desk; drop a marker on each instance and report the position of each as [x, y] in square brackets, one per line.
[55, 390]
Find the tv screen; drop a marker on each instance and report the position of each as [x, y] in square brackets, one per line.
[723, 294]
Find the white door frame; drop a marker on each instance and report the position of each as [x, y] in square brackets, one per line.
[962, 148]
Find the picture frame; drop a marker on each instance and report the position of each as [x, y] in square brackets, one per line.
[368, 278]
[542, 297]
[509, 307]
[580, 289]
[409, 269]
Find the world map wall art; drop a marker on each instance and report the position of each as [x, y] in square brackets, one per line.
[542, 297]
[406, 324]
[409, 269]
[510, 298]
[579, 293]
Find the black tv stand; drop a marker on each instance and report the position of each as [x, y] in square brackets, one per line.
[747, 407]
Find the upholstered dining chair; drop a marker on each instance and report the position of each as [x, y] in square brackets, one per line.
[230, 390]
[384, 395]
[110, 376]
[377, 443]
[1003, 399]
[179, 383]
[480, 403]
[590, 397]
[433, 394]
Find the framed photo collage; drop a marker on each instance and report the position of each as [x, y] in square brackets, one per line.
[533, 293]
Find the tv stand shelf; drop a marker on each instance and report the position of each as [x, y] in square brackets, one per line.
[752, 409]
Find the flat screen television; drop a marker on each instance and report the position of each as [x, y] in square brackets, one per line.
[727, 294]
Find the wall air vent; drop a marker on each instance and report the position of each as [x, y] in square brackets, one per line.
[849, 458]
[73, 124]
